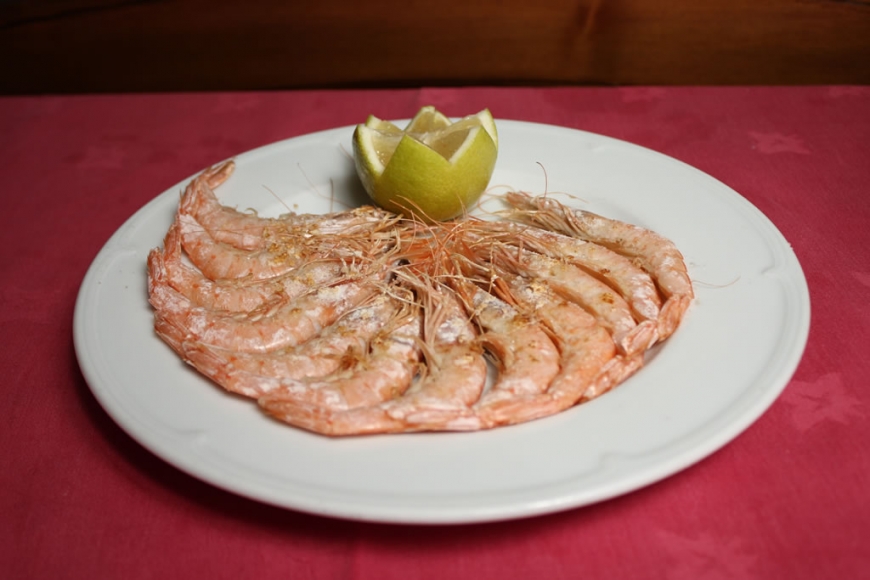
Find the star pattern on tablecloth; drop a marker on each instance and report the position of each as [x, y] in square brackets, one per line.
[769, 143]
[863, 278]
[824, 399]
[707, 556]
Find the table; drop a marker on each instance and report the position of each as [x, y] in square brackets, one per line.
[80, 499]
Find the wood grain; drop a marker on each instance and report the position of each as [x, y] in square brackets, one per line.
[75, 46]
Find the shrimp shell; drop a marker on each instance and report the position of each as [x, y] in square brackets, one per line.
[282, 325]
[655, 253]
[441, 400]
[527, 359]
[573, 283]
[234, 295]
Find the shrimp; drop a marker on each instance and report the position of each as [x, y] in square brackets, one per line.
[356, 239]
[654, 253]
[586, 348]
[248, 231]
[527, 358]
[382, 374]
[338, 348]
[233, 295]
[276, 326]
[225, 224]
[441, 400]
[221, 261]
[607, 306]
[632, 283]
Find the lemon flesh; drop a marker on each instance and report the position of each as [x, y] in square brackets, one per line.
[432, 170]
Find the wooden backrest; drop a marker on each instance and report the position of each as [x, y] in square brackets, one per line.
[69, 46]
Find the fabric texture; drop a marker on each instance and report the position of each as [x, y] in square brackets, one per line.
[79, 498]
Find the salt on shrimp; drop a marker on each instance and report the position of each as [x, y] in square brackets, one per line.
[573, 283]
[338, 348]
[249, 231]
[630, 281]
[383, 373]
[586, 348]
[225, 224]
[267, 329]
[526, 357]
[234, 295]
[654, 253]
[440, 400]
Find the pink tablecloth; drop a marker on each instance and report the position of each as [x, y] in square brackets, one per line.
[789, 498]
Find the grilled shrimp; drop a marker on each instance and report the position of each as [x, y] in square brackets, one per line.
[526, 357]
[655, 254]
[338, 348]
[275, 326]
[235, 295]
[248, 231]
[226, 225]
[586, 349]
[220, 261]
[572, 283]
[441, 400]
[385, 372]
[630, 281]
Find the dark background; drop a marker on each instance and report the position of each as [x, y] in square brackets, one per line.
[86, 46]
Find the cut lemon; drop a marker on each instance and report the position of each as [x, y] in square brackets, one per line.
[433, 170]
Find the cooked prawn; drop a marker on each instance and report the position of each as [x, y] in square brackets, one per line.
[441, 400]
[526, 356]
[655, 253]
[363, 322]
[630, 281]
[338, 348]
[573, 283]
[235, 295]
[276, 326]
[220, 261]
[586, 349]
[381, 374]
[249, 231]
[224, 224]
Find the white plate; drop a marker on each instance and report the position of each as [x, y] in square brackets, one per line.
[736, 350]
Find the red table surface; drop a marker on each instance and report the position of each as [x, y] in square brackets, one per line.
[789, 498]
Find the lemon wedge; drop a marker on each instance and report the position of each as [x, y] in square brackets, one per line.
[434, 169]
